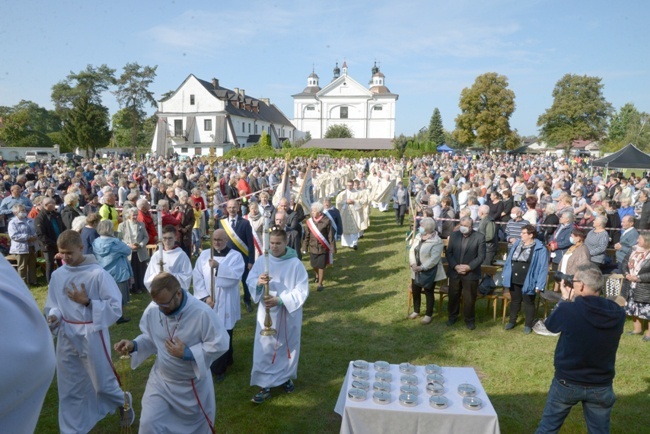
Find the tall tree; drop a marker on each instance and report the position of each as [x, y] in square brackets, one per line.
[628, 125]
[338, 131]
[28, 124]
[436, 131]
[87, 126]
[89, 83]
[133, 94]
[579, 111]
[486, 108]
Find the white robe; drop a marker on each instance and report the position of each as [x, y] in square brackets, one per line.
[350, 217]
[175, 262]
[226, 284]
[289, 281]
[88, 388]
[169, 404]
[27, 354]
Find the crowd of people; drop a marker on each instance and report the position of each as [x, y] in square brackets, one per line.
[110, 216]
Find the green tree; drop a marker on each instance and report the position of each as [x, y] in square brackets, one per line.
[486, 108]
[628, 125]
[339, 131]
[265, 141]
[436, 131]
[28, 124]
[286, 144]
[579, 111]
[90, 83]
[87, 126]
[400, 142]
[133, 94]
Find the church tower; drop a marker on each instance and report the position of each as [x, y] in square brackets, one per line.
[312, 83]
[337, 71]
[345, 68]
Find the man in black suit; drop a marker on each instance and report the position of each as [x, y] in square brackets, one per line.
[293, 238]
[294, 217]
[49, 226]
[240, 238]
[335, 217]
[465, 254]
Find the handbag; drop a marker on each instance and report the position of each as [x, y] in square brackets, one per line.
[426, 278]
[487, 285]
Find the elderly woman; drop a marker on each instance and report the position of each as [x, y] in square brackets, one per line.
[576, 255]
[319, 241]
[636, 285]
[525, 273]
[89, 233]
[597, 240]
[23, 243]
[134, 234]
[256, 220]
[549, 223]
[426, 267]
[112, 255]
[70, 210]
[265, 203]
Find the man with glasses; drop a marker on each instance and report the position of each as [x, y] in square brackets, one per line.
[186, 336]
[227, 267]
[174, 259]
[590, 328]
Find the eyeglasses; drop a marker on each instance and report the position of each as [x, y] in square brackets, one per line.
[168, 302]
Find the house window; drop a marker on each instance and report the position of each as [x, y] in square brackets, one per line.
[243, 127]
[207, 124]
[377, 107]
[178, 127]
[197, 151]
[255, 128]
[344, 113]
[311, 107]
[183, 150]
[191, 99]
[249, 128]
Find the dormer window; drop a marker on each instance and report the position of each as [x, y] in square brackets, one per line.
[191, 99]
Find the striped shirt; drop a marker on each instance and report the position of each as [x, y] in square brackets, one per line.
[597, 245]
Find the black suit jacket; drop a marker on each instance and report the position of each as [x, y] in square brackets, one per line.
[474, 255]
[244, 231]
[45, 231]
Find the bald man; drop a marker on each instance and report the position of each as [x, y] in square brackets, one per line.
[216, 279]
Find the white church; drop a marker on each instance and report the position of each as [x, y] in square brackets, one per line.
[369, 112]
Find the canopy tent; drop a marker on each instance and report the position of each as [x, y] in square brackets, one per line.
[519, 150]
[445, 148]
[630, 157]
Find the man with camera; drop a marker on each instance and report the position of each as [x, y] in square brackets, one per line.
[590, 329]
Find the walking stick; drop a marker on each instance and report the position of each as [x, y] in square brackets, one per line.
[410, 288]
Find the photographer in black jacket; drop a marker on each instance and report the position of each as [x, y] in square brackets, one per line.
[590, 329]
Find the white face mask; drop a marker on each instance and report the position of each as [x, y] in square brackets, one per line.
[513, 216]
[572, 240]
[22, 215]
[464, 230]
[421, 230]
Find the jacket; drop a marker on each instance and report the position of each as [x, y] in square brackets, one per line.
[487, 227]
[45, 231]
[139, 236]
[627, 241]
[311, 243]
[430, 255]
[642, 289]
[537, 272]
[580, 256]
[68, 214]
[20, 230]
[149, 225]
[244, 231]
[474, 255]
[563, 242]
[111, 255]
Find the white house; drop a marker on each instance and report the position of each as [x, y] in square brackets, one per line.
[201, 115]
[369, 112]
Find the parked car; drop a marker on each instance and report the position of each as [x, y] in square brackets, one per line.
[35, 156]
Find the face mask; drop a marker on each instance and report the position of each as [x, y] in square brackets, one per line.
[594, 214]
[572, 240]
[464, 230]
[513, 216]
[421, 230]
[22, 215]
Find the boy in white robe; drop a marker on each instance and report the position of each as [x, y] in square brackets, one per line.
[228, 268]
[83, 300]
[275, 358]
[175, 261]
[186, 336]
[28, 360]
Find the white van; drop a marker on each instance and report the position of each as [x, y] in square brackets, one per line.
[35, 156]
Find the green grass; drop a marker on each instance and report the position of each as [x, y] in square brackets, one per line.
[361, 315]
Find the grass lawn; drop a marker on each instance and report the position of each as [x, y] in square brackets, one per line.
[361, 315]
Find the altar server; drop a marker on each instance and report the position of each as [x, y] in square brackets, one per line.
[175, 261]
[83, 300]
[186, 336]
[350, 208]
[28, 359]
[275, 358]
[227, 265]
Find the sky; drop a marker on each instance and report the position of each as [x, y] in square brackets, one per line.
[428, 50]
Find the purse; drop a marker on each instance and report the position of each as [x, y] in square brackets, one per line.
[426, 278]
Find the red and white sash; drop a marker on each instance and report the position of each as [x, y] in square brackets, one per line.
[256, 239]
[311, 224]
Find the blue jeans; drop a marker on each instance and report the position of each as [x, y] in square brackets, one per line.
[597, 404]
[196, 241]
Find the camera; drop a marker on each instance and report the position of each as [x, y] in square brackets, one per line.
[568, 278]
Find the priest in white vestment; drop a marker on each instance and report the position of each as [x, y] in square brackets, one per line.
[83, 300]
[227, 266]
[175, 261]
[186, 336]
[28, 359]
[384, 192]
[275, 358]
[350, 210]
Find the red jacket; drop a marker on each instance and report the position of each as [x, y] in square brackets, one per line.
[149, 225]
[242, 184]
[171, 219]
